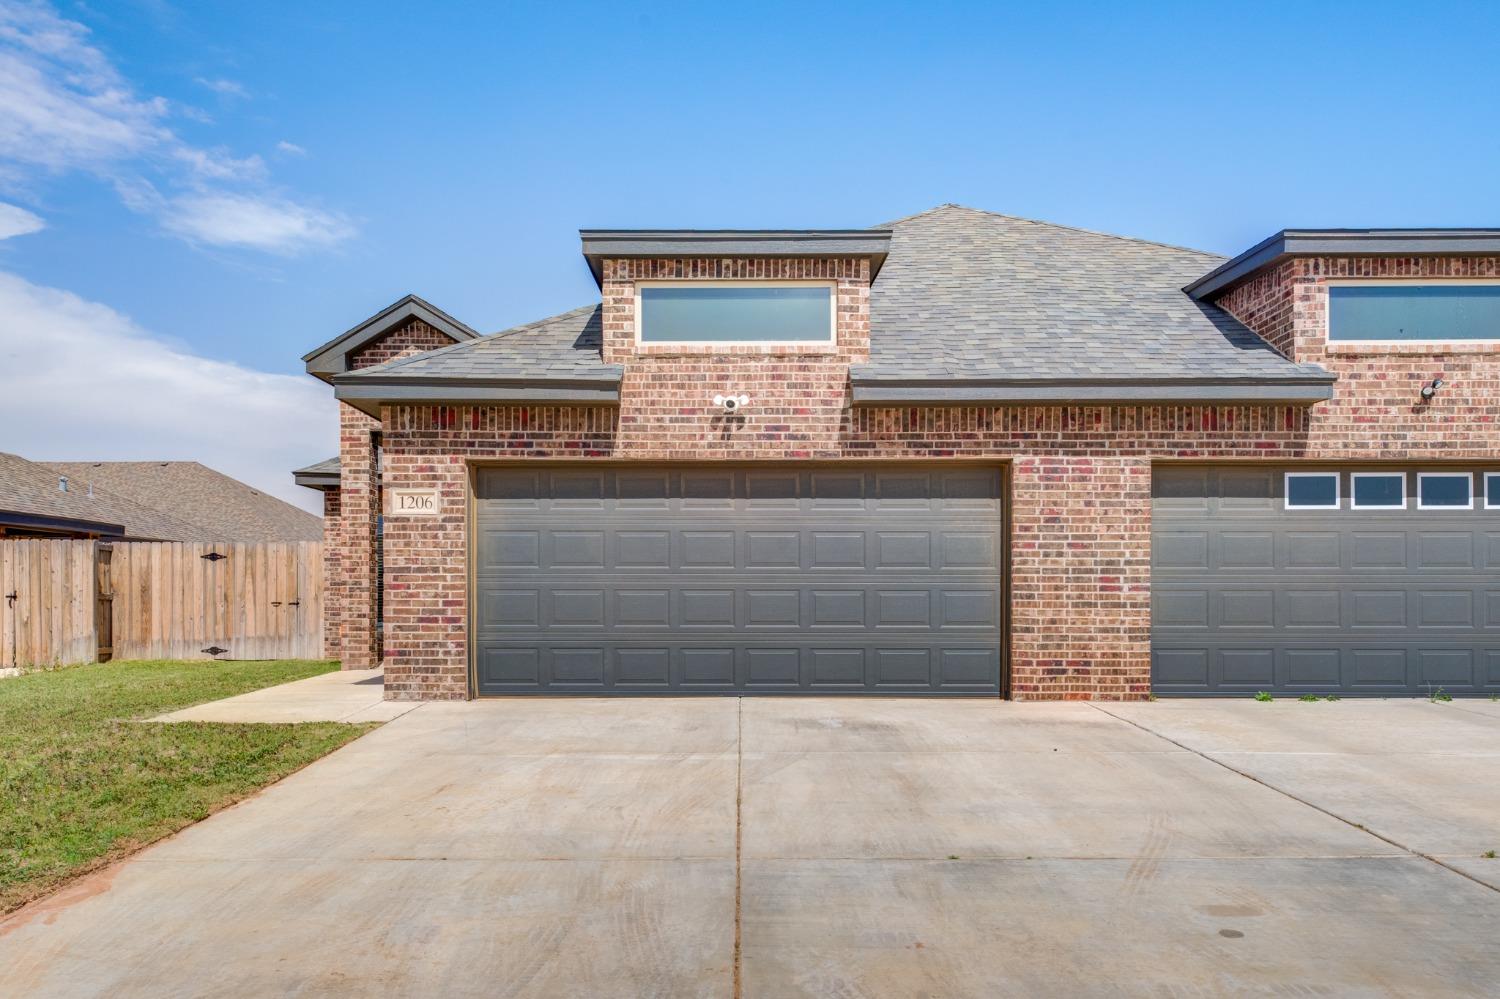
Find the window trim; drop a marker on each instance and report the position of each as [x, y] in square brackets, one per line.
[1355, 504]
[1286, 490]
[1395, 283]
[1487, 477]
[1445, 475]
[833, 312]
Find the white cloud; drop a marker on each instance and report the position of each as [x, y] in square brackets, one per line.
[80, 381]
[17, 221]
[290, 148]
[228, 88]
[258, 222]
[64, 107]
[219, 164]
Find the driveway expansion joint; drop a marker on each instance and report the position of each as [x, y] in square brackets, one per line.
[1430, 858]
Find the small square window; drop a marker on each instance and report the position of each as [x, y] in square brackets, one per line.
[1312, 490]
[1445, 491]
[1492, 490]
[1378, 490]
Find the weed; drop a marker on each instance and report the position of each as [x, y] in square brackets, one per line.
[1333, 697]
[1440, 695]
[1264, 695]
[1488, 855]
[1310, 698]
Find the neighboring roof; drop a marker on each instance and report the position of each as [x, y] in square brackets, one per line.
[321, 475]
[217, 507]
[333, 357]
[552, 360]
[30, 497]
[1342, 242]
[978, 306]
[602, 244]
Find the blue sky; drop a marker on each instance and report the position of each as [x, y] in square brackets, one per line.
[232, 184]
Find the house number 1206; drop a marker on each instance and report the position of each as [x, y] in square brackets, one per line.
[414, 502]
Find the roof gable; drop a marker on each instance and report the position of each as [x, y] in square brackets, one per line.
[333, 357]
[552, 360]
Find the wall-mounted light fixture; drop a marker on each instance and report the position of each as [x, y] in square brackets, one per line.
[731, 403]
[1430, 390]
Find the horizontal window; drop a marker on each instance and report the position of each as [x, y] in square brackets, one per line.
[715, 313]
[1312, 490]
[1413, 313]
[1445, 491]
[1378, 490]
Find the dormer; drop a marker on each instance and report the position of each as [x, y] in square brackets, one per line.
[718, 292]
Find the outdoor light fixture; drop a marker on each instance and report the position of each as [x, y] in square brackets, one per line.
[1428, 391]
[731, 403]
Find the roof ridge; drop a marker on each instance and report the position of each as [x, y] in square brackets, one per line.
[1057, 225]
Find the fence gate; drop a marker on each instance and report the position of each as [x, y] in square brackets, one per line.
[85, 601]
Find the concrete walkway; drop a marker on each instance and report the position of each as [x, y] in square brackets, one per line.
[351, 695]
[852, 848]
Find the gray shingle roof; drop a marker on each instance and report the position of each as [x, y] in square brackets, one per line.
[328, 466]
[565, 347]
[211, 504]
[30, 488]
[968, 294]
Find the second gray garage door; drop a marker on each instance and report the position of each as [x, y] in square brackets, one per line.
[1324, 592]
[838, 579]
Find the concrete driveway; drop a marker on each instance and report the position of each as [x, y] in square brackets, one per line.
[845, 848]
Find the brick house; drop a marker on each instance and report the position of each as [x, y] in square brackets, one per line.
[959, 454]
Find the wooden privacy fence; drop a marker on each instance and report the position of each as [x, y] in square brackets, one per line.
[89, 601]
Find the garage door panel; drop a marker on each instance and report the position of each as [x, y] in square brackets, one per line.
[1364, 601]
[774, 580]
[1382, 669]
[1445, 550]
[1312, 550]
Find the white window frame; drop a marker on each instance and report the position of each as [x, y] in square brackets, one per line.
[1355, 504]
[1396, 282]
[1421, 476]
[1286, 490]
[1487, 477]
[833, 313]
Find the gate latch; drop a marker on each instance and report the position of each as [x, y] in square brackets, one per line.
[10, 598]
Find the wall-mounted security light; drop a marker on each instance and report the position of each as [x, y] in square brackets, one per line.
[731, 403]
[1428, 391]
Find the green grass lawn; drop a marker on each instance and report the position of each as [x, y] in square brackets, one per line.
[81, 784]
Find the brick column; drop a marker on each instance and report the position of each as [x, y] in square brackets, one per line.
[332, 574]
[1081, 578]
[358, 643]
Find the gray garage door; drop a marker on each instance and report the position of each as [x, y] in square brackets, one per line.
[1354, 589]
[737, 579]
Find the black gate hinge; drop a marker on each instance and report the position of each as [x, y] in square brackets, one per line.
[213, 556]
[214, 650]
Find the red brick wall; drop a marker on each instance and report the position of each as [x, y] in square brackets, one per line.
[1377, 401]
[332, 573]
[351, 596]
[798, 394]
[412, 338]
[1079, 475]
